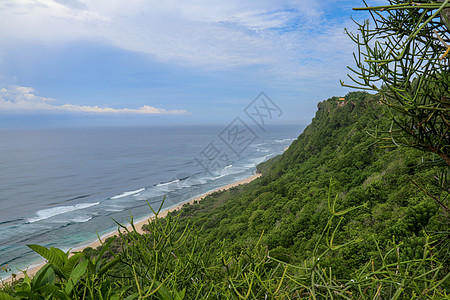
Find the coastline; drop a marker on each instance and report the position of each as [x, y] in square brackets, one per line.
[138, 224]
[33, 269]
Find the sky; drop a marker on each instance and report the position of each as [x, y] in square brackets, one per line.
[70, 63]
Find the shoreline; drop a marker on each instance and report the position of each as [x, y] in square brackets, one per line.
[163, 213]
[33, 269]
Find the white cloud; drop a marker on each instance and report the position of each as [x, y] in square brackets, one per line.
[24, 99]
[206, 33]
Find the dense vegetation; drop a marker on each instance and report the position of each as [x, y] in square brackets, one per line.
[403, 56]
[289, 203]
[336, 216]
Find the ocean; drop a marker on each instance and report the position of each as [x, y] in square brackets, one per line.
[62, 187]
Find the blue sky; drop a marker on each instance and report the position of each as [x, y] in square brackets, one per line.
[67, 63]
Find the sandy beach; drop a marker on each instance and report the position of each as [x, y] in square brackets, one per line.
[138, 225]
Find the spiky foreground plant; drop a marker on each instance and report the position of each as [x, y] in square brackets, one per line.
[403, 55]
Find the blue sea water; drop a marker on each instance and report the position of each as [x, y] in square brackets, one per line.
[62, 187]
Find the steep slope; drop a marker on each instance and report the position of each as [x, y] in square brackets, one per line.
[289, 203]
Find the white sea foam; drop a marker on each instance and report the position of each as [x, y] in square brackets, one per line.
[54, 211]
[283, 140]
[81, 219]
[167, 183]
[150, 193]
[114, 209]
[253, 162]
[128, 194]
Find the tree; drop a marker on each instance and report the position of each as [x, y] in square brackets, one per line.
[403, 55]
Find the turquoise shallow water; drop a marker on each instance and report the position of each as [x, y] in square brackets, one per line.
[60, 187]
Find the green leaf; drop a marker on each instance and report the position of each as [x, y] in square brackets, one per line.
[53, 291]
[70, 264]
[108, 266]
[63, 255]
[132, 296]
[163, 292]
[4, 296]
[28, 295]
[49, 277]
[23, 287]
[76, 274]
[49, 255]
[39, 278]
[104, 249]
[180, 295]
[95, 267]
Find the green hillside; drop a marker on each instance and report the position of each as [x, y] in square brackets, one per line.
[289, 203]
[334, 217]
